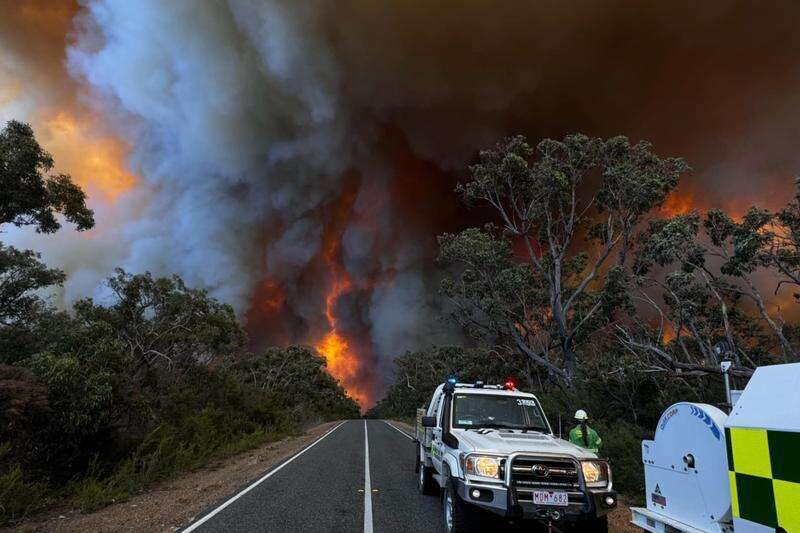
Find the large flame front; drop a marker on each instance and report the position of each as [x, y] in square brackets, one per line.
[342, 359]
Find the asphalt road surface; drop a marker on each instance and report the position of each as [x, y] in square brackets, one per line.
[357, 478]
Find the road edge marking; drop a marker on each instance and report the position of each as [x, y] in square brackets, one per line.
[367, 485]
[403, 433]
[253, 485]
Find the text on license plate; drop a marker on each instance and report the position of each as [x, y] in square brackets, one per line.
[547, 497]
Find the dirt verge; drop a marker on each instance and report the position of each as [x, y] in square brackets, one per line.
[173, 504]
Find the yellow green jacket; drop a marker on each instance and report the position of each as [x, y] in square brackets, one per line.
[595, 442]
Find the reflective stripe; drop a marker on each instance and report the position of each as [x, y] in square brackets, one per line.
[751, 452]
[734, 494]
[787, 502]
[764, 475]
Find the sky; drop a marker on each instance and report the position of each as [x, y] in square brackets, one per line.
[298, 159]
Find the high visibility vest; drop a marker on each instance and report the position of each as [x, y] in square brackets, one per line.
[594, 440]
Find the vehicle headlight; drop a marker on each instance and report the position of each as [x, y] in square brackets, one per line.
[482, 465]
[595, 473]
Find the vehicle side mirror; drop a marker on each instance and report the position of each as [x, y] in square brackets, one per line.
[429, 421]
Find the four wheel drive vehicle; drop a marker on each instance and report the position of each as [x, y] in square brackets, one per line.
[491, 447]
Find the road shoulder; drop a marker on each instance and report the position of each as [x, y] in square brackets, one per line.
[176, 503]
[408, 429]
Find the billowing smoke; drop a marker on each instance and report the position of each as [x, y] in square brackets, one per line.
[298, 158]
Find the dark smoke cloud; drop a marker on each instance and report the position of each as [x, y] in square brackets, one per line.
[251, 119]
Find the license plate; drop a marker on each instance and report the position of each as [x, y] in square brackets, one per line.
[549, 497]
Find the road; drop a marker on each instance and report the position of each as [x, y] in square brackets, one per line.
[357, 478]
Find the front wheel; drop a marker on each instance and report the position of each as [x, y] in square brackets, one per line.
[457, 514]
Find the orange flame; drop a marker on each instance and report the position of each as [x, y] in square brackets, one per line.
[343, 363]
[342, 360]
[679, 203]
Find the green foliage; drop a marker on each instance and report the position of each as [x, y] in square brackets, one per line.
[709, 291]
[622, 443]
[90, 493]
[161, 322]
[297, 378]
[544, 302]
[27, 196]
[21, 275]
[109, 415]
[19, 497]
[670, 241]
[80, 401]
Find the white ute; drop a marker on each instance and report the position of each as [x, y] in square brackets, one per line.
[491, 447]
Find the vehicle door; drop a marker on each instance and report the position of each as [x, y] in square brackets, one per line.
[437, 446]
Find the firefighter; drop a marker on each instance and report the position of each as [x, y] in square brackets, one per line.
[584, 436]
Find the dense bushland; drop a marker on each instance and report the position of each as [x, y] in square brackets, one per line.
[100, 400]
[98, 403]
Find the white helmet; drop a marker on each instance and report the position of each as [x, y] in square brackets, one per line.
[581, 415]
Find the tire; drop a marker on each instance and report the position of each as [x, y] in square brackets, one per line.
[457, 516]
[425, 482]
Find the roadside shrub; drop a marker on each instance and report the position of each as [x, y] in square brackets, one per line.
[101, 436]
[622, 443]
[90, 493]
[80, 401]
[19, 497]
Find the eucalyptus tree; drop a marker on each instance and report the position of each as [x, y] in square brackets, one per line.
[30, 197]
[701, 276]
[552, 271]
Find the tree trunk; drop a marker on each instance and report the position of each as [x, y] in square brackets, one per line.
[788, 349]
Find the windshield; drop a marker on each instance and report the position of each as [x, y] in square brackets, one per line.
[496, 411]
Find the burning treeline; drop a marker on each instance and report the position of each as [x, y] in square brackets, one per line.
[298, 159]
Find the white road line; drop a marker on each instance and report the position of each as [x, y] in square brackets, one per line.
[367, 485]
[403, 433]
[272, 472]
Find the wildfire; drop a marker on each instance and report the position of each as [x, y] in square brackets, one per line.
[342, 360]
[679, 203]
[343, 363]
[273, 298]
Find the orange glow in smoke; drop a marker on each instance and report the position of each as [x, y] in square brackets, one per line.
[273, 298]
[94, 161]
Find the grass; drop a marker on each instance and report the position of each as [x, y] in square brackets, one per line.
[162, 455]
[18, 497]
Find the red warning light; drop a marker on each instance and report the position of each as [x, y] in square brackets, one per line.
[510, 384]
